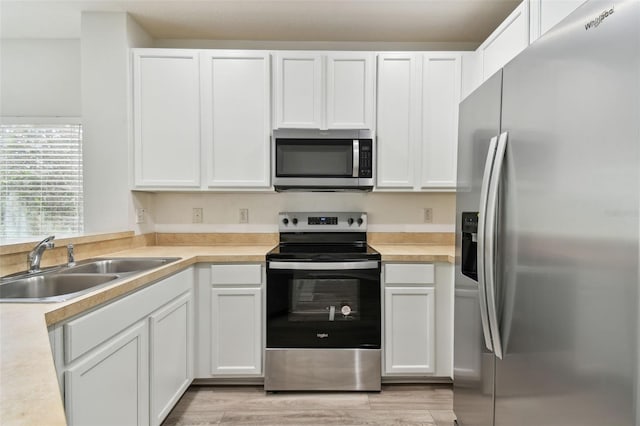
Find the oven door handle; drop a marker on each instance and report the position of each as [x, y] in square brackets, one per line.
[324, 266]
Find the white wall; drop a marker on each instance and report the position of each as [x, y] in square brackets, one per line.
[388, 212]
[40, 78]
[106, 38]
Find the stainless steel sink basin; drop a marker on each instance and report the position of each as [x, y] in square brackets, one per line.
[52, 287]
[118, 265]
[63, 283]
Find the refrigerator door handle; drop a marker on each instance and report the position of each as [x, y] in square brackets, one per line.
[482, 214]
[490, 243]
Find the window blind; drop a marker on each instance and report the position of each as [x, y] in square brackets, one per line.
[40, 180]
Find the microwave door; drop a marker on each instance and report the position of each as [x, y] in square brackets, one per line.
[316, 164]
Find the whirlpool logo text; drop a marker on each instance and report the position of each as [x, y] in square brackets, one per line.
[595, 22]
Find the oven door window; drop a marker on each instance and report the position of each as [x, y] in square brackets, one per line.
[324, 299]
[323, 309]
[314, 158]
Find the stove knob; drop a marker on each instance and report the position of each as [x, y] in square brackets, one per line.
[295, 220]
[350, 221]
[285, 221]
[360, 221]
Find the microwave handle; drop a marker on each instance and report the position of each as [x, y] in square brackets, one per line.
[356, 158]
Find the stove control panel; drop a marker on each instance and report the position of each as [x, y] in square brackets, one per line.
[323, 222]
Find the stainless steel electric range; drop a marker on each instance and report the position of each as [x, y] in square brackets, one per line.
[323, 305]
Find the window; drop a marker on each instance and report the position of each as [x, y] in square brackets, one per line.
[40, 180]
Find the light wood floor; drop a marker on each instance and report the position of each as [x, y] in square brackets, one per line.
[250, 405]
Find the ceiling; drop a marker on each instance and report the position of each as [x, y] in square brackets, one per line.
[469, 21]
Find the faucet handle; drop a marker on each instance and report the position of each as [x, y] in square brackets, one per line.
[71, 261]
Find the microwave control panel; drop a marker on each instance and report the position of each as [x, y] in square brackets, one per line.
[366, 158]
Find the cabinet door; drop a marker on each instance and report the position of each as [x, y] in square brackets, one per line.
[409, 330]
[398, 124]
[236, 113]
[350, 90]
[166, 118]
[509, 39]
[544, 14]
[110, 386]
[299, 90]
[236, 331]
[441, 95]
[171, 355]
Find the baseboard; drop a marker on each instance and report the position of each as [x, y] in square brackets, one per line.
[259, 381]
[405, 380]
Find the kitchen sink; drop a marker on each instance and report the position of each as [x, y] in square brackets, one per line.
[118, 265]
[66, 282]
[52, 287]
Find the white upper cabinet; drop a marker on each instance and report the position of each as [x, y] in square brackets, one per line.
[350, 89]
[298, 90]
[324, 90]
[544, 14]
[236, 114]
[166, 103]
[441, 95]
[417, 122]
[202, 119]
[398, 121]
[509, 39]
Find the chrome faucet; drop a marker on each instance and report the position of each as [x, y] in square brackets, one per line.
[35, 255]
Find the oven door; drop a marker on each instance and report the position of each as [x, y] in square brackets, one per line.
[323, 304]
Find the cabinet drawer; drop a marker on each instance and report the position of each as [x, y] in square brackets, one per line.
[409, 273]
[88, 331]
[236, 274]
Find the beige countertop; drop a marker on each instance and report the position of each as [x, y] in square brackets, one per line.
[416, 252]
[29, 392]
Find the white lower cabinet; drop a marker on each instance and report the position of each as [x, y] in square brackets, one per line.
[418, 320]
[409, 329]
[171, 360]
[128, 362]
[230, 340]
[110, 385]
[236, 331]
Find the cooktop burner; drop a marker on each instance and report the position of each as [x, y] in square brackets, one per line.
[322, 252]
[339, 236]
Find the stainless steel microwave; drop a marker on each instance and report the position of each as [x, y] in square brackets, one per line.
[335, 160]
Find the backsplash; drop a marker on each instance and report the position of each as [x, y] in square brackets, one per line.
[387, 212]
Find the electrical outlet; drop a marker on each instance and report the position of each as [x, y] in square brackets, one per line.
[197, 215]
[244, 215]
[428, 215]
[140, 215]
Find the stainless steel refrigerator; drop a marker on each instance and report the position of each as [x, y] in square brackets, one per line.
[548, 230]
